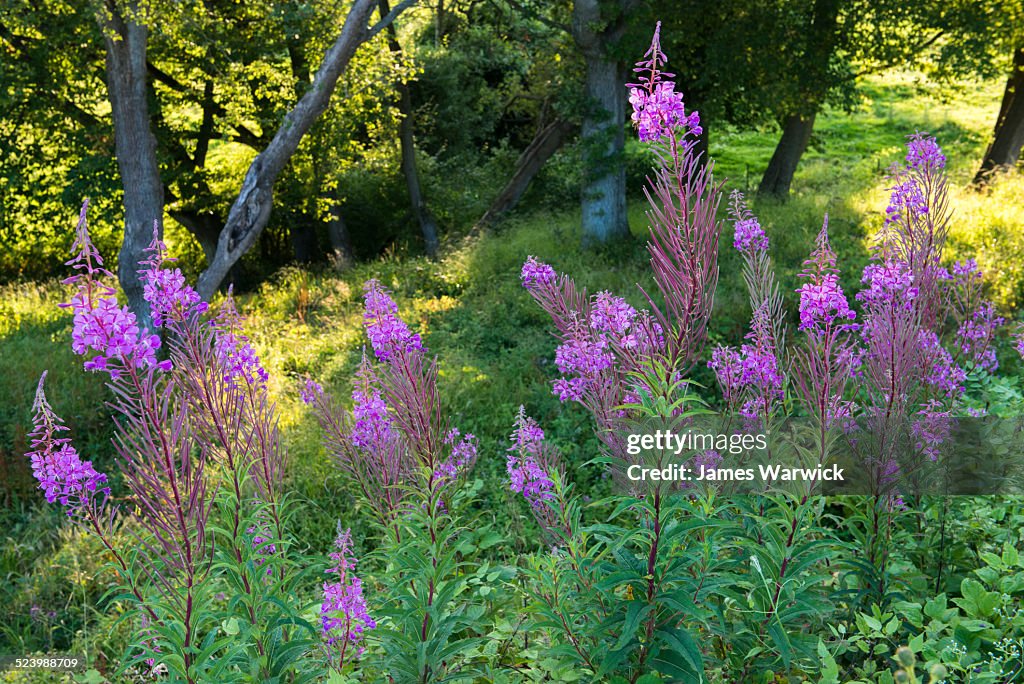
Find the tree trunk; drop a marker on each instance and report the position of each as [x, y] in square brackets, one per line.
[813, 84]
[778, 177]
[341, 255]
[545, 143]
[1008, 136]
[135, 147]
[303, 237]
[603, 132]
[428, 226]
[251, 210]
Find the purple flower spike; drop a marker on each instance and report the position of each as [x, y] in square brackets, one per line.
[536, 273]
[657, 108]
[906, 202]
[822, 301]
[975, 336]
[526, 473]
[343, 613]
[311, 392]
[924, 154]
[61, 472]
[100, 323]
[583, 356]
[890, 283]
[239, 363]
[750, 236]
[389, 335]
[611, 314]
[372, 427]
[728, 366]
[170, 298]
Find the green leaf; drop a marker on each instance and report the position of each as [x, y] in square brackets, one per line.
[635, 612]
[680, 642]
[230, 626]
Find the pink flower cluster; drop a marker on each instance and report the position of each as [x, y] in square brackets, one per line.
[941, 371]
[311, 392]
[238, 361]
[657, 108]
[889, 283]
[62, 474]
[169, 297]
[343, 613]
[389, 335]
[536, 273]
[974, 337]
[371, 428]
[822, 303]
[749, 236]
[100, 323]
[526, 474]
[612, 314]
[104, 326]
[460, 460]
[583, 358]
[656, 112]
[924, 153]
[906, 203]
[752, 374]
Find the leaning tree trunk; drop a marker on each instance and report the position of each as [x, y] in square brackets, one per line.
[251, 210]
[545, 143]
[778, 177]
[1008, 137]
[603, 132]
[428, 226]
[135, 147]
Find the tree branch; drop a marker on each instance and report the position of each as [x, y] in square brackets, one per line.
[389, 18]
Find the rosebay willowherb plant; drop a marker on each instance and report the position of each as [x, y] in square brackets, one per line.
[408, 463]
[744, 573]
[201, 548]
[620, 598]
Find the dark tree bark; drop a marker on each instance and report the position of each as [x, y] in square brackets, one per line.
[1008, 136]
[250, 212]
[303, 238]
[342, 256]
[134, 145]
[778, 177]
[428, 226]
[545, 143]
[604, 188]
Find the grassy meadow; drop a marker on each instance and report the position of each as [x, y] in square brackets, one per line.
[494, 348]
